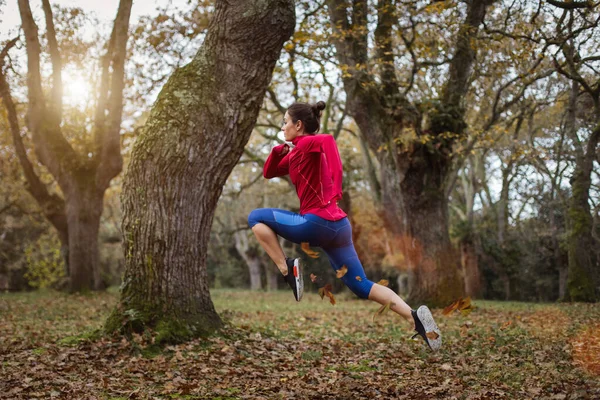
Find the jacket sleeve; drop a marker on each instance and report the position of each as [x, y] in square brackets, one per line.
[277, 164]
[326, 144]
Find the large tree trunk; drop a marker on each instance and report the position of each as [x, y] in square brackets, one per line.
[414, 174]
[84, 209]
[583, 264]
[193, 138]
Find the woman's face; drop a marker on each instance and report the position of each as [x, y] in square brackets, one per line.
[290, 129]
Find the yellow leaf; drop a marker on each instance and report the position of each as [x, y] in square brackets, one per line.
[383, 282]
[341, 272]
[306, 248]
[451, 307]
[383, 309]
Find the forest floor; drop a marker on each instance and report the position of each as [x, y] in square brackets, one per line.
[274, 348]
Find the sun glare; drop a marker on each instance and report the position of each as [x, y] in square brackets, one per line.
[76, 89]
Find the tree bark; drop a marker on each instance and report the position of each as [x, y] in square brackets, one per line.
[583, 264]
[469, 261]
[194, 136]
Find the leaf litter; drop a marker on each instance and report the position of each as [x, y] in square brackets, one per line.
[274, 347]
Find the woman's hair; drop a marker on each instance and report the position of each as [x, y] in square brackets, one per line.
[309, 114]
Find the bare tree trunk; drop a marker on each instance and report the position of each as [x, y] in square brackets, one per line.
[272, 277]
[84, 209]
[251, 258]
[472, 276]
[193, 138]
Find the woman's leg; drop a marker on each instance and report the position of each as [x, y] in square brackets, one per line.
[357, 281]
[267, 223]
[267, 238]
[384, 295]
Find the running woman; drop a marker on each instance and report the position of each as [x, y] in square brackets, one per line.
[315, 168]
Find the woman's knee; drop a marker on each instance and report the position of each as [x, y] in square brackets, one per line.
[361, 288]
[256, 216]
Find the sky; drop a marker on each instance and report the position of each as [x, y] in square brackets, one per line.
[105, 10]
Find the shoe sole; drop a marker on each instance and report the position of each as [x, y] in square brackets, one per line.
[430, 326]
[299, 279]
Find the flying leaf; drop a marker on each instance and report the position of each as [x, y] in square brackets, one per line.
[326, 291]
[306, 248]
[467, 310]
[313, 278]
[451, 307]
[341, 272]
[383, 309]
[432, 335]
[383, 282]
[358, 278]
[463, 305]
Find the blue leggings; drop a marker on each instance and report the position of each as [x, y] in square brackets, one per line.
[334, 237]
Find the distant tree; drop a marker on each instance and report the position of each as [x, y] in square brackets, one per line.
[82, 177]
[577, 58]
[413, 151]
[192, 139]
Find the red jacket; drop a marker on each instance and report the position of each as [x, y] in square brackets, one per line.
[315, 169]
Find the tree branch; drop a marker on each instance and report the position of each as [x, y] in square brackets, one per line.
[571, 5]
[51, 147]
[52, 206]
[57, 89]
[111, 161]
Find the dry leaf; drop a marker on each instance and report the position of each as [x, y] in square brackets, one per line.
[451, 307]
[313, 278]
[306, 248]
[467, 310]
[358, 278]
[341, 272]
[383, 309]
[326, 291]
[383, 282]
[432, 335]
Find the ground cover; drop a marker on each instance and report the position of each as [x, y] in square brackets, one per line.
[273, 347]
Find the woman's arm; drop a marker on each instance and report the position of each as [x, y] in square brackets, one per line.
[278, 162]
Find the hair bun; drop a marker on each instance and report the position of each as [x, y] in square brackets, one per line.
[318, 107]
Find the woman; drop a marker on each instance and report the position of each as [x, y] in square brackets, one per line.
[315, 169]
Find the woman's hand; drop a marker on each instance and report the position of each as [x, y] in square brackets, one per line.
[285, 150]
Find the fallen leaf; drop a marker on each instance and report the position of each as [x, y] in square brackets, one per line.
[432, 335]
[313, 278]
[341, 272]
[383, 309]
[306, 248]
[383, 282]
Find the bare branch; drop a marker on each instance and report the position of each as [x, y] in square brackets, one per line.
[571, 5]
[52, 206]
[51, 147]
[57, 89]
[111, 161]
